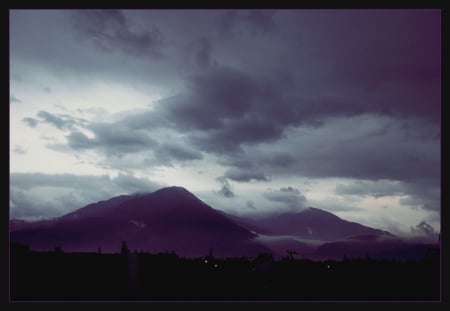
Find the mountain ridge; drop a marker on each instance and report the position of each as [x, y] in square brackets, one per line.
[169, 219]
[173, 219]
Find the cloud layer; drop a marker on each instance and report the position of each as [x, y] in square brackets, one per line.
[257, 99]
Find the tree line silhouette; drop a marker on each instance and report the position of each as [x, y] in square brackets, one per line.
[131, 275]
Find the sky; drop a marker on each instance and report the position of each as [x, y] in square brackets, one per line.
[254, 111]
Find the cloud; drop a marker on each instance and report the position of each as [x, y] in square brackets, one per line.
[420, 193]
[335, 204]
[214, 95]
[202, 52]
[423, 228]
[365, 147]
[244, 175]
[133, 134]
[78, 140]
[335, 94]
[375, 189]
[379, 151]
[423, 194]
[250, 204]
[132, 184]
[253, 21]
[19, 150]
[290, 197]
[224, 108]
[289, 189]
[167, 152]
[51, 195]
[112, 138]
[260, 20]
[13, 99]
[110, 30]
[28, 181]
[24, 206]
[31, 122]
[60, 121]
[225, 191]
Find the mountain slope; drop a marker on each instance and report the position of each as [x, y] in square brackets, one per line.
[314, 224]
[170, 219]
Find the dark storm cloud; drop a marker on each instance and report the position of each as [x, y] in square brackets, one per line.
[53, 42]
[225, 107]
[202, 48]
[394, 66]
[387, 155]
[371, 188]
[225, 191]
[215, 95]
[260, 20]
[78, 140]
[423, 194]
[381, 61]
[234, 133]
[111, 139]
[288, 196]
[364, 147]
[110, 30]
[166, 152]
[245, 175]
[356, 92]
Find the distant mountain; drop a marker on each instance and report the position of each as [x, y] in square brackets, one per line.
[313, 224]
[173, 219]
[170, 219]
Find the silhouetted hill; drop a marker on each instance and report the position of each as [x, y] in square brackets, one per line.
[170, 219]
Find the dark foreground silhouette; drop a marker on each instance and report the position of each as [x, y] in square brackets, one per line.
[60, 276]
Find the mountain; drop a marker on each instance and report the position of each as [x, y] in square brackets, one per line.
[170, 219]
[313, 224]
[173, 219]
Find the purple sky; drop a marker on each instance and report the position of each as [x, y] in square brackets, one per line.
[254, 111]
